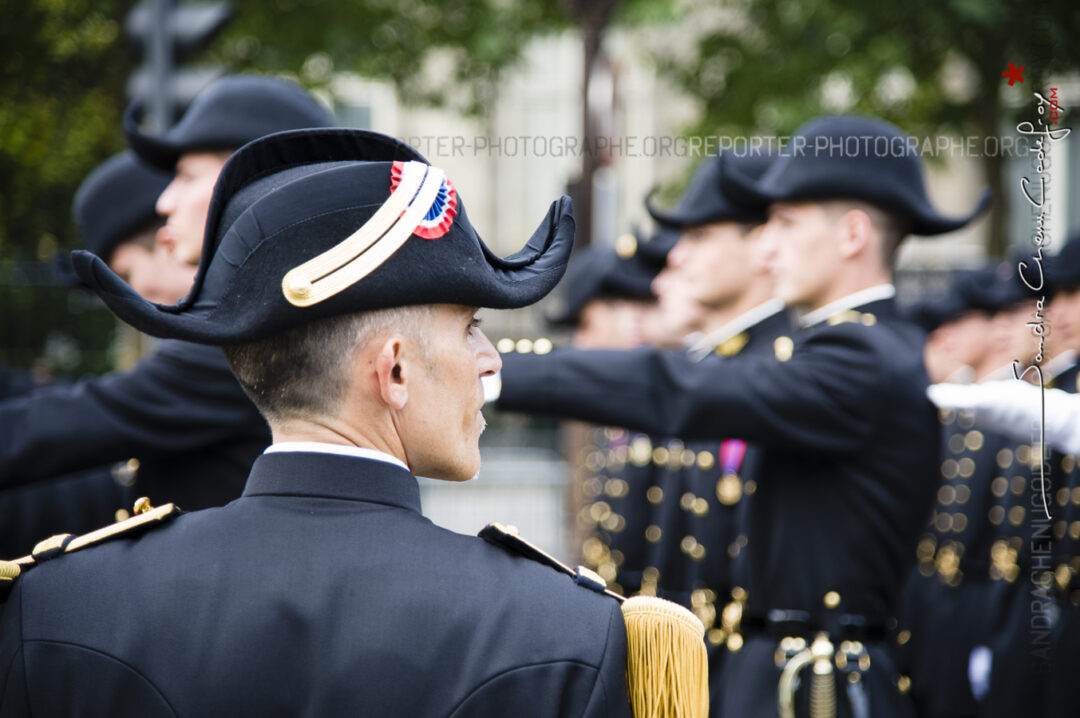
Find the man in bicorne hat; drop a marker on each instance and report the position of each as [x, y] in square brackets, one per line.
[178, 412]
[342, 276]
[849, 441]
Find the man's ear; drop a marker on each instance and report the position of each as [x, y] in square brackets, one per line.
[390, 372]
[858, 233]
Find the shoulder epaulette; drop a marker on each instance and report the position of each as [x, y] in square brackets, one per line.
[666, 662]
[732, 345]
[507, 537]
[145, 518]
[852, 316]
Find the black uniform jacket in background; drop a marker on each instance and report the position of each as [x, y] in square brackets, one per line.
[321, 592]
[179, 411]
[849, 439]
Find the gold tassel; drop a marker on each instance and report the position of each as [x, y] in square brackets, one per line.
[667, 666]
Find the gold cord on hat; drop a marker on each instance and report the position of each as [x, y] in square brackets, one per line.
[362, 252]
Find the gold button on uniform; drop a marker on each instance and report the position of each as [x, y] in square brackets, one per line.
[783, 348]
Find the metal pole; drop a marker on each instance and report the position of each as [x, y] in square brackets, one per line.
[161, 61]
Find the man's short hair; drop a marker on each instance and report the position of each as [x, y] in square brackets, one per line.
[303, 372]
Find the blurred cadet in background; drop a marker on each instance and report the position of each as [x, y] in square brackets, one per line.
[114, 211]
[179, 412]
[843, 421]
[605, 296]
[1047, 561]
[1012, 406]
[966, 605]
[674, 321]
[703, 486]
[957, 335]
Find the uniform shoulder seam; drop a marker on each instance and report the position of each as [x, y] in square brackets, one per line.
[513, 669]
[108, 656]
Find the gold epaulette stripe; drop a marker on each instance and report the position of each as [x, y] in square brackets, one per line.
[161, 513]
[867, 319]
[362, 252]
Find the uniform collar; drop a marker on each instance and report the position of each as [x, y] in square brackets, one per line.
[321, 447]
[858, 299]
[705, 344]
[333, 476]
[1059, 364]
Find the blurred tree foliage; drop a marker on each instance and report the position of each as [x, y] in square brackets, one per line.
[766, 66]
[65, 67]
[66, 64]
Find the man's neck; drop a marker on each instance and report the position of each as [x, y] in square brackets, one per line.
[995, 367]
[718, 317]
[846, 286]
[329, 430]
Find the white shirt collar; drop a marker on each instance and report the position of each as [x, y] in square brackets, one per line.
[1058, 364]
[706, 343]
[1000, 374]
[864, 296]
[320, 447]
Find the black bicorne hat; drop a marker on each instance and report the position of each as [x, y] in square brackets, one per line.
[705, 201]
[849, 157]
[315, 223]
[994, 287]
[653, 250]
[116, 201]
[1061, 271]
[929, 314]
[228, 114]
[602, 273]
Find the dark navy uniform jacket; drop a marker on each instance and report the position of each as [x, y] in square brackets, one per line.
[851, 442]
[322, 591]
[179, 411]
[75, 503]
[849, 452]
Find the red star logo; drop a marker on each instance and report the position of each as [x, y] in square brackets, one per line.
[1014, 73]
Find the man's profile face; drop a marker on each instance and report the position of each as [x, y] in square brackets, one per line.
[966, 339]
[675, 314]
[716, 262]
[961, 341]
[1063, 316]
[610, 324]
[152, 272]
[800, 245]
[185, 202]
[441, 424]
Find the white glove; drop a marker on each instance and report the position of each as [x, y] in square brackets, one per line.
[1014, 408]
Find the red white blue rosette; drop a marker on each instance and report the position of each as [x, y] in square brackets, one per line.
[440, 217]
